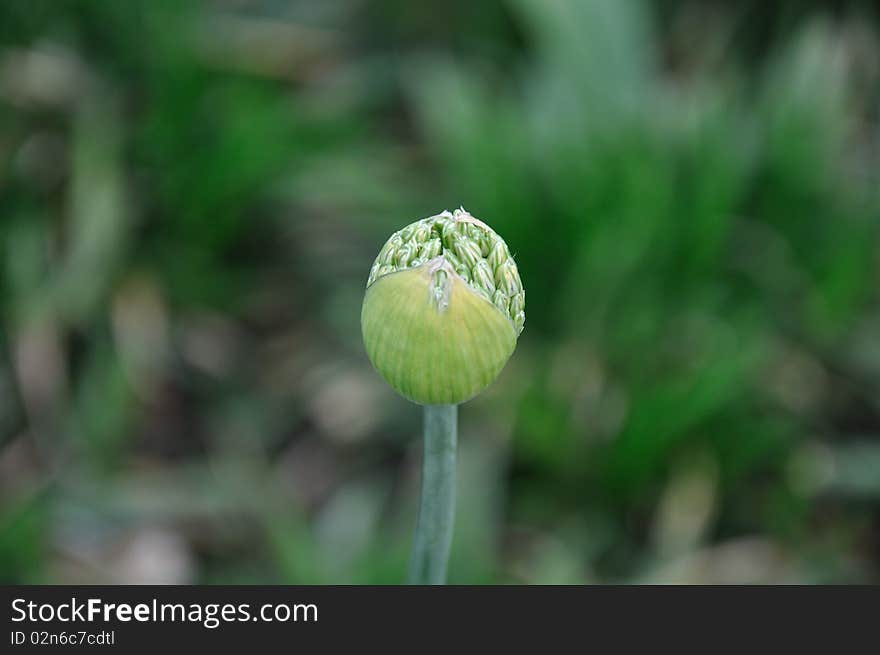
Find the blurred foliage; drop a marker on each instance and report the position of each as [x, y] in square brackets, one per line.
[191, 194]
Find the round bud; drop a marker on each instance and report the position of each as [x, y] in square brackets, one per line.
[443, 309]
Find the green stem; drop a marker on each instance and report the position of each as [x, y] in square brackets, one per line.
[437, 506]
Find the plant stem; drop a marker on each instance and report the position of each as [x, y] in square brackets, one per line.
[437, 506]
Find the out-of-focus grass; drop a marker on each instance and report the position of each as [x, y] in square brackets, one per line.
[192, 193]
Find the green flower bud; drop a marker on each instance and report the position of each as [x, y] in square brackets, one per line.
[483, 279]
[443, 309]
[431, 249]
[468, 252]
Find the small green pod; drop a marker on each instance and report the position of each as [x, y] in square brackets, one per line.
[431, 328]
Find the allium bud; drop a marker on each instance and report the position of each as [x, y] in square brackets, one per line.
[443, 309]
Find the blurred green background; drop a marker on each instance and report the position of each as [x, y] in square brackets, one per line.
[192, 193]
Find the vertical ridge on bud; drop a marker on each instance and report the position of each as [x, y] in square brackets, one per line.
[441, 284]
